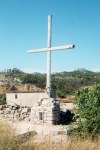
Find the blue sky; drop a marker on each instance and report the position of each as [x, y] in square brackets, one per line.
[23, 26]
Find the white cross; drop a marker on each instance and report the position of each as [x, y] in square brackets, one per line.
[48, 50]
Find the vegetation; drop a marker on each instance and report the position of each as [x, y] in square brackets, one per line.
[7, 137]
[88, 108]
[66, 83]
[37, 79]
[88, 102]
[2, 99]
[10, 141]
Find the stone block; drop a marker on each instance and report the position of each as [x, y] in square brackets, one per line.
[24, 110]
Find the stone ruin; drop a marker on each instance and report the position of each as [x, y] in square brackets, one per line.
[46, 111]
[14, 113]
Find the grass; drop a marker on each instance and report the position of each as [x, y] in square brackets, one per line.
[7, 137]
[9, 141]
[72, 144]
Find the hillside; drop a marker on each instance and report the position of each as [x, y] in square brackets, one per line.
[14, 77]
[66, 83]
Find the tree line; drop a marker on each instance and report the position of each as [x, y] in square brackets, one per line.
[66, 83]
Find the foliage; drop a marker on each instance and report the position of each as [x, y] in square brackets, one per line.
[66, 83]
[10, 141]
[36, 79]
[88, 102]
[2, 99]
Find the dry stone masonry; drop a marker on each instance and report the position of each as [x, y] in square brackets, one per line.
[46, 111]
[14, 113]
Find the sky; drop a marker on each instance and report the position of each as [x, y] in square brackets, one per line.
[24, 26]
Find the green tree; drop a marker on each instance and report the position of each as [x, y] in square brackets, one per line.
[88, 102]
[37, 79]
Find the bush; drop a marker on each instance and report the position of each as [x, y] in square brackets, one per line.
[2, 99]
[88, 102]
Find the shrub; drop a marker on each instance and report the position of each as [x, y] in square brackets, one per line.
[88, 102]
[2, 99]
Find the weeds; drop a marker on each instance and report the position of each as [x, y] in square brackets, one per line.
[9, 141]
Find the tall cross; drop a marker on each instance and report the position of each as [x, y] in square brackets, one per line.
[48, 50]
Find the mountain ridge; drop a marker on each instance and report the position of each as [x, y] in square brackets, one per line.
[65, 82]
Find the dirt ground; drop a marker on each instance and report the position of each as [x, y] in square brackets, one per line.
[44, 133]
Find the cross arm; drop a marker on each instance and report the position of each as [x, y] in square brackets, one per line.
[52, 48]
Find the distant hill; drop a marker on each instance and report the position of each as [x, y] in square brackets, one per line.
[15, 77]
[65, 82]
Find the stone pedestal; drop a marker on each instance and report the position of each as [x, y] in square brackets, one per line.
[47, 111]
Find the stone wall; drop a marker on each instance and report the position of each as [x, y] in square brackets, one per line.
[46, 111]
[14, 113]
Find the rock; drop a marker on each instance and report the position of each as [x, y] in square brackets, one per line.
[7, 111]
[25, 110]
[1, 107]
[12, 112]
